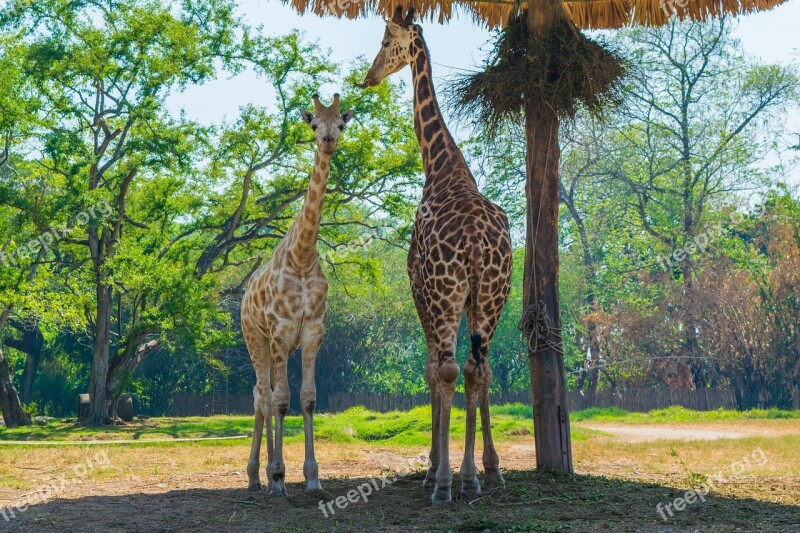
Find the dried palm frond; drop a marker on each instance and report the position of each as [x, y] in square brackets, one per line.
[558, 69]
[586, 14]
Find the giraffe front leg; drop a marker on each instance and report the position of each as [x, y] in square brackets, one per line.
[270, 431]
[310, 344]
[260, 355]
[276, 470]
[447, 374]
[473, 381]
[254, 483]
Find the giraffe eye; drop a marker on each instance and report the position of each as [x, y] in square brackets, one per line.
[386, 44]
[341, 127]
[314, 127]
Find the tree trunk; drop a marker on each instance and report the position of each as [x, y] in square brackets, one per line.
[124, 365]
[690, 346]
[548, 377]
[10, 406]
[32, 345]
[29, 374]
[592, 370]
[98, 413]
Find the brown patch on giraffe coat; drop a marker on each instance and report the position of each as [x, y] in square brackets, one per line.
[427, 112]
[439, 163]
[430, 129]
[423, 88]
[420, 62]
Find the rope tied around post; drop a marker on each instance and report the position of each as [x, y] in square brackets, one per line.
[539, 330]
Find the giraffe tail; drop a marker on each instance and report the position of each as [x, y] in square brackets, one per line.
[477, 340]
[476, 265]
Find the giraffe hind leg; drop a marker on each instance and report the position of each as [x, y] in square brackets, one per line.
[260, 355]
[482, 320]
[492, 477]
[446, 330]
[431, 373]
[486, 325]
[474, 373]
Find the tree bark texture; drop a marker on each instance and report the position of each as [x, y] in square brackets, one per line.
[541, 321]
[10, 406]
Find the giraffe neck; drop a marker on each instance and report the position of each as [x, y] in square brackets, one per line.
[303, 244]
[441, 156]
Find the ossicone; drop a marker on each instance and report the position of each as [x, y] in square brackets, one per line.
[409, 20]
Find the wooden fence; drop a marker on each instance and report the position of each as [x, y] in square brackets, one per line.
[643, 400]
[188, 404]
[638, 400]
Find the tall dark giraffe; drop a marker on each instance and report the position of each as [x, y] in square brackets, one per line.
[459, 260]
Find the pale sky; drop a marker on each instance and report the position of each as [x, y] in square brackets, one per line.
[773, 36]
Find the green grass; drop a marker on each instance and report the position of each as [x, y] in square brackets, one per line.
[155, 428]
[402, 428]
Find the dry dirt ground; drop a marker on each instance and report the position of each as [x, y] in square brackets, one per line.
[622, 477]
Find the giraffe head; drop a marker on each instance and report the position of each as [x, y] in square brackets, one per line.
[395, 52]
[327, 123]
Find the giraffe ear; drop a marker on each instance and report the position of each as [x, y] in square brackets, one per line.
[348, 115]
[393, 28]
[307, 117]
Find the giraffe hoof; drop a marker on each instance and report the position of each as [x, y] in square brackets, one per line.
[430, 479]
[313, 484]
[255, 487]
[278, 491]
[494, 480]
[441, 496]
[471, 487]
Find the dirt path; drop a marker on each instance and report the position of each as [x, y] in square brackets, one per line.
[631, 433]
[651, 433]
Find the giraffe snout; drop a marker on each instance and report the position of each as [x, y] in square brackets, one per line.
[369, 81]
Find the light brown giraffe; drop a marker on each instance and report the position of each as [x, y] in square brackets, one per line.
[459, 260]
[283, 308]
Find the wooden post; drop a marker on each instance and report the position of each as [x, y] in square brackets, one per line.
[548, 377]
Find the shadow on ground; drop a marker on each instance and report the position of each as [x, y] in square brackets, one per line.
[530, 502]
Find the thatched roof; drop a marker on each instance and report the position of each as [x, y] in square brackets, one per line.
[586, 14]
